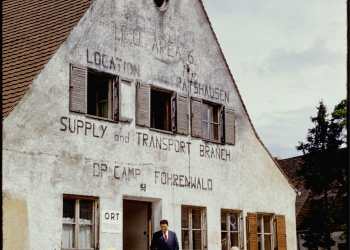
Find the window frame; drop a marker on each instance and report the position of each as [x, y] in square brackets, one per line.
[178, 109]
[226, 121]
[94, 223]
[262, 233]
[190, 228]
[240, 227]
[79, 92]
[219, 122]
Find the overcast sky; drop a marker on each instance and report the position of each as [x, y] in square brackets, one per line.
[285, 57]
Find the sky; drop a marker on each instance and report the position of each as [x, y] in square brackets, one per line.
[285, 56]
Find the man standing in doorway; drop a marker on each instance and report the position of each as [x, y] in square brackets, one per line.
[164, 239]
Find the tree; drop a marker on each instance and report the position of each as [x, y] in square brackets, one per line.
[325, 173]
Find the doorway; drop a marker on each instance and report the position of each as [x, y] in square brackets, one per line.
[136, 225]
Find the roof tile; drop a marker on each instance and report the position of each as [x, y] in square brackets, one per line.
[32, 30]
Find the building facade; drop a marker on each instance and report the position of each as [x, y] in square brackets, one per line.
[132, 118]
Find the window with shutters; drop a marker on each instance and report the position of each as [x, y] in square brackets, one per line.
[231, 229]
[193, 228]
[212, 122]
[79, 223]
[161, 109]
[266, 232]
[94, 93]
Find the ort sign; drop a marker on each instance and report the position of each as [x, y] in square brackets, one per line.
[111, 221]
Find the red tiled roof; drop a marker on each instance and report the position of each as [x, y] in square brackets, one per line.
[32, 30]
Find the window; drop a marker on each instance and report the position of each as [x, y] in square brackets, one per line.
[79, 224]
[263, 232]
[210, 124]
[231, 229]
[94, 93]
[161, 109]
[193, 228]
[212, 121]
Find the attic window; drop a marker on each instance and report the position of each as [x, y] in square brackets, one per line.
[162, 4]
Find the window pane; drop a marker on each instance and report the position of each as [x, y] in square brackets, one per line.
[86, 211]
[69, 209]
[233, 222]
[68, 235]
[267, 228]
[267, 242]
[215, 116]
[99, 87]
[259, 242]
[259, 223]
[211, 110]
[68, 221]
[205, 112]
[185, 239]
[160, 110]
[103, 109]
[85, 236]
[205, 130]
[234, 239]
[214, 132]
[197, 240]
[184, 217]
[223, 222]
[224, 241]
[196, 219]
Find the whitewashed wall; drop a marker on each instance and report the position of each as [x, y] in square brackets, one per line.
[42, 159]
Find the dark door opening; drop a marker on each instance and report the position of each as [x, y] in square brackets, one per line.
[136, 225]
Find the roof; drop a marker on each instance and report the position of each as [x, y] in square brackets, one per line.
[289, 167]
[32, 31]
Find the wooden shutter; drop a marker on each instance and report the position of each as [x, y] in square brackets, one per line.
[281, 232]
[252, 231]
[230, 126]
[196, 117]
[222, 124]
[143, 103]
[77, 89]
[181, 115]
[116, 99]
[173, 112]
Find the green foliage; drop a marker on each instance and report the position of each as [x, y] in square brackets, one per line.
[325, 172]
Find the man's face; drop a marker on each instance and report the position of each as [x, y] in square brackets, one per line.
[164, 227]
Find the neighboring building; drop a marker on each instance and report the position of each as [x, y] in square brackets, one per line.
[303, 202]
[117, 114]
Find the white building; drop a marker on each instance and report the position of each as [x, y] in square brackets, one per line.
[120, 113]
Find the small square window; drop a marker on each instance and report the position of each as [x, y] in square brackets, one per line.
[79, 226]
[100, 95]
[161, 110]
[94, 93]
[265, 233]
[193, 228]
[231, 229]
[210, 122]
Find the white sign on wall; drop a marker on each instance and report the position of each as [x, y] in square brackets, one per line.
[111, 221]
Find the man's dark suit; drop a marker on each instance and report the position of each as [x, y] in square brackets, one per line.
[158, 241]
